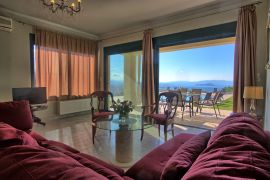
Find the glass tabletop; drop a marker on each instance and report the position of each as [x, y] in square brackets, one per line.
[132, 123]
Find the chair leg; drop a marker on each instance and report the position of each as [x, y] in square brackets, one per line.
[190, 111]
[218, 110]
[165, 132]
[183, 112]
[201, 108]
[142, 132]
[94, 129]
[172, 127]
[159, 130]
[215, 110]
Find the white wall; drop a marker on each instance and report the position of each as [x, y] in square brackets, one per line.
[14, 60]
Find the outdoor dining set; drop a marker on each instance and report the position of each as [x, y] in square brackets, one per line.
[195, 100]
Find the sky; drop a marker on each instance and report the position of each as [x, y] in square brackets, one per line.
[198, 64]
[117, 67]
[207, 63]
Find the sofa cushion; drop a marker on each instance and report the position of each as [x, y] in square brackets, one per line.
[235, 151]
[242, 124]
[10, 136]
[184, 157]
[151, 165]
[27, 162]
[36, 136]
[60, 147]
[112, 167]
[57, 146]
[106, 172]
[17, 114]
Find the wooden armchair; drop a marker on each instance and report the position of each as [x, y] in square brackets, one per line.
[102, 109]
[163, 112]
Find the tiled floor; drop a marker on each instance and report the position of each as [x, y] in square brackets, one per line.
[76, 132]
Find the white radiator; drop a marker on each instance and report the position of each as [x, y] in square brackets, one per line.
[74, 106]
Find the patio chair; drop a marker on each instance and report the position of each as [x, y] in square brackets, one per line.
[163, 114]
[195, 98]
[104, 98]
[213, 102]
[221, 98]
[181, 100]
[183, 91]
[208, 96]
[192, 100]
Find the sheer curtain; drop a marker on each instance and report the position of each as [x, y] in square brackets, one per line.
[64, 64]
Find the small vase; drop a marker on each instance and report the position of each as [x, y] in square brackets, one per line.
[123, 117]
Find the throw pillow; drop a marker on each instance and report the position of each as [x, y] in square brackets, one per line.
[10, 136]
[16, 114]
[184, 157]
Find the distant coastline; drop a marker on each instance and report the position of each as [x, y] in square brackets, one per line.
[207, 86]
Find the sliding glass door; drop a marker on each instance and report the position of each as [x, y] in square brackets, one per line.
[125, 76]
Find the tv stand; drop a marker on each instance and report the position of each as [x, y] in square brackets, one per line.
[35, 108]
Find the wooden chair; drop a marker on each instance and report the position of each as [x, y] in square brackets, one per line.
[102, 109]
[213, 102]
[181, 99]
[193, 100]
[207, 98]
[164, 111]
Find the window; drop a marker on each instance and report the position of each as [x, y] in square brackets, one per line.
[125, 76]
[65, 65]
[206, 65]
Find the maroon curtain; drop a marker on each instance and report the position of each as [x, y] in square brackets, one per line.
[245, 56]
[148, 88]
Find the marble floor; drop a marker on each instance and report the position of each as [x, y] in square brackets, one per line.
[76, 132]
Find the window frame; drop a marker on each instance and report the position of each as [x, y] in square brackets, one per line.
[32, 59]
[220, 31]
[118, 49]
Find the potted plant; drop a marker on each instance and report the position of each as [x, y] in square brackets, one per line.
[123, 108]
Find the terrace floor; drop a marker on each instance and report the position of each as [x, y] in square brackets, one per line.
[205, 120]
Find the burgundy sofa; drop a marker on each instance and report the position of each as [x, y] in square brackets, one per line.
[24, 154]
[238, 149]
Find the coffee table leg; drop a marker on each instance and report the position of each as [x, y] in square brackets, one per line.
[124, 146]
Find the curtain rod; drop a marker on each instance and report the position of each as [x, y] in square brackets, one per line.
[141, 31]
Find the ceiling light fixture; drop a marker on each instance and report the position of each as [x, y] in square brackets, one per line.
[55, 5]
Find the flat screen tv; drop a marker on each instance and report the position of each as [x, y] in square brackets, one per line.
[33, 95]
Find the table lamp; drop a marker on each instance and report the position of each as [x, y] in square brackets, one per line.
[253, 93]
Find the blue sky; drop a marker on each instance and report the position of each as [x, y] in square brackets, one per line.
[207, 63]
[117, 67]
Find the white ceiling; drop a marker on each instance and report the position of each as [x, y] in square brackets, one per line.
[104, 16]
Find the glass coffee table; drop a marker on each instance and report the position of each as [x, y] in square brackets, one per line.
[124, 129]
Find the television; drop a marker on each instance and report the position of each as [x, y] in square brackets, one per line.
[33, 95]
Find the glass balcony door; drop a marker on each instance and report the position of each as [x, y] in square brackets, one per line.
[125, 77]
